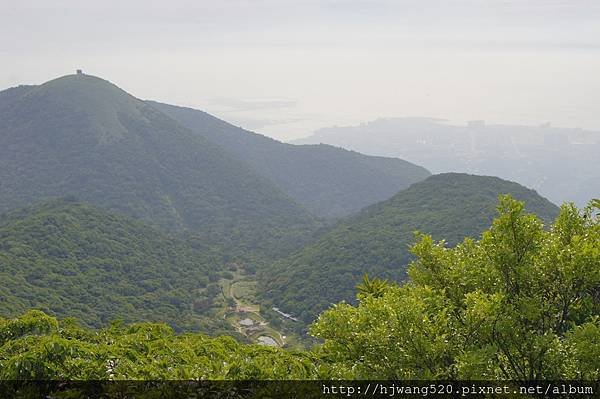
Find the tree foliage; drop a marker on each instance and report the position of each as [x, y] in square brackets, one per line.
[377, 240]
[520, 303]
[37, 347]
[328, 181]
[84, 137]
[73, 260]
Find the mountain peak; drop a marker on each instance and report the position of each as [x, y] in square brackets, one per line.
[88, 87]
[93, 105]
[83, 83]
[84, 136]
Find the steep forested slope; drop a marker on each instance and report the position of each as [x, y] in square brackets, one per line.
[71, 259]
[82, 136]
[493, 309]
[448, 206]
[328, 181]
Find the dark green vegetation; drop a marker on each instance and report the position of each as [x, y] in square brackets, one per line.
[520, 303]
[166, 224]
[82, 136]
[70, 259]
[38, 347]
[376, 241]
[328, 181]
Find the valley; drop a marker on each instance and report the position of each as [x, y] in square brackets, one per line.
[142, 240]
[242, 310]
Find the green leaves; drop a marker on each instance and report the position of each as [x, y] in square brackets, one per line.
[71, 259]
[371, 288]
[139, 351]
[520, 303]
[33, 322]
[377, 241]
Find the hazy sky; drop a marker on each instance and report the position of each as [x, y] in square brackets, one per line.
[285, 68]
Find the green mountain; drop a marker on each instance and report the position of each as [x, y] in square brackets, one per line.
[328, 181]
[552, 160]
[71, 259]
[376, 241]
[82, 136]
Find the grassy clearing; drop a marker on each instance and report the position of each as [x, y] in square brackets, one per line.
[239, 296]
[244, 291]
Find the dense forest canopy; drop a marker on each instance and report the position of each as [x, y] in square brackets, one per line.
[140, 240]
[328, 181]
[70, 259]
[36, 346]
[376, 241]
[179, 169]
[82, 136]
[521, 302]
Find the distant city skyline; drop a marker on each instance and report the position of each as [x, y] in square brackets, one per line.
[287, 68]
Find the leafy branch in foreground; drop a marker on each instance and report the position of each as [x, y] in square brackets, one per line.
[372, 287]
[36, 347]
[520, 303]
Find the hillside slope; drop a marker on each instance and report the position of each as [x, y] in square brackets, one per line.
[552, 160]
[82, 136]
[328, 181]
[376, 241]
[71, 259]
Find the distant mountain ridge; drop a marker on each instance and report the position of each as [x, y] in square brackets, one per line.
[328, 181]
[554, 161]
[376, 241]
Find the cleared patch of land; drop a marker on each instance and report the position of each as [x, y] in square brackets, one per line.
[243, 312]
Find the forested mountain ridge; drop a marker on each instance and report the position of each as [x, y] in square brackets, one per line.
[328, 181]
[82, 136]
[376, 241]
[554, 161]
[13, 93]
[73, 260]
[493, 309]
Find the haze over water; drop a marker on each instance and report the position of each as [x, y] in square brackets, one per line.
[286, 68]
